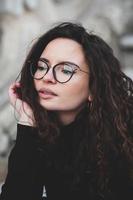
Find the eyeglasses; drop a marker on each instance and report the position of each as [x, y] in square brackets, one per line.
[62, 72]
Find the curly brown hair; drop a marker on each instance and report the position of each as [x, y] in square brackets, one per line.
[109, 121]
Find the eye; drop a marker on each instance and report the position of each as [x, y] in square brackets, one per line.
[66, 69]
[42, 66]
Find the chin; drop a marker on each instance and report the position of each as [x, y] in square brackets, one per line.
[49, 107]
[53, 108]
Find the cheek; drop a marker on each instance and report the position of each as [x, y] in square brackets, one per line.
[77, 92]
[80, 86]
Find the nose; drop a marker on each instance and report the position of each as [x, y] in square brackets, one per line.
[49, 77]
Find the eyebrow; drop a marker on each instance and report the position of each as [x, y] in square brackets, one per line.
[69, 62]
[44, 59]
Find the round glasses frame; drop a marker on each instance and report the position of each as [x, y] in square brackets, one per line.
[32, 68]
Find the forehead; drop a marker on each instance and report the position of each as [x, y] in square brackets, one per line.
[63, 49]
[61, 41]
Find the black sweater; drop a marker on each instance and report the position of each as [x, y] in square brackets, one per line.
[31, 167]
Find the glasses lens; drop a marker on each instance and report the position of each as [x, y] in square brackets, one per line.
[39, 70]
[63, 72]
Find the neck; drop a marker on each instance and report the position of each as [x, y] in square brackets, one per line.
[66, 117]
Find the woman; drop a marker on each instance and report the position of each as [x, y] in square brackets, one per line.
[75, 131]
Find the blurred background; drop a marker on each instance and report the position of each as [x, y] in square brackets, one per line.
[22, 21]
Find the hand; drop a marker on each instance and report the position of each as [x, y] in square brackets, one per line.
[24, 111]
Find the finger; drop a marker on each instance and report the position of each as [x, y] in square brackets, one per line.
[13, 88]
[13, 93]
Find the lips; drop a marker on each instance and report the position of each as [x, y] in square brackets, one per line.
[46, 93]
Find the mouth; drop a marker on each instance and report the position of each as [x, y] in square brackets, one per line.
[46, 93]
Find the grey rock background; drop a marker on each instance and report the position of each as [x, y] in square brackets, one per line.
[22, 21]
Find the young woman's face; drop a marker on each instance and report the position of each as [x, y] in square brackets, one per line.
[65, 98]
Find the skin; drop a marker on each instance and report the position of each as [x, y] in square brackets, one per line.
[71, 96]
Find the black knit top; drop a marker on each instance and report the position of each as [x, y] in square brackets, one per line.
[34, 167]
